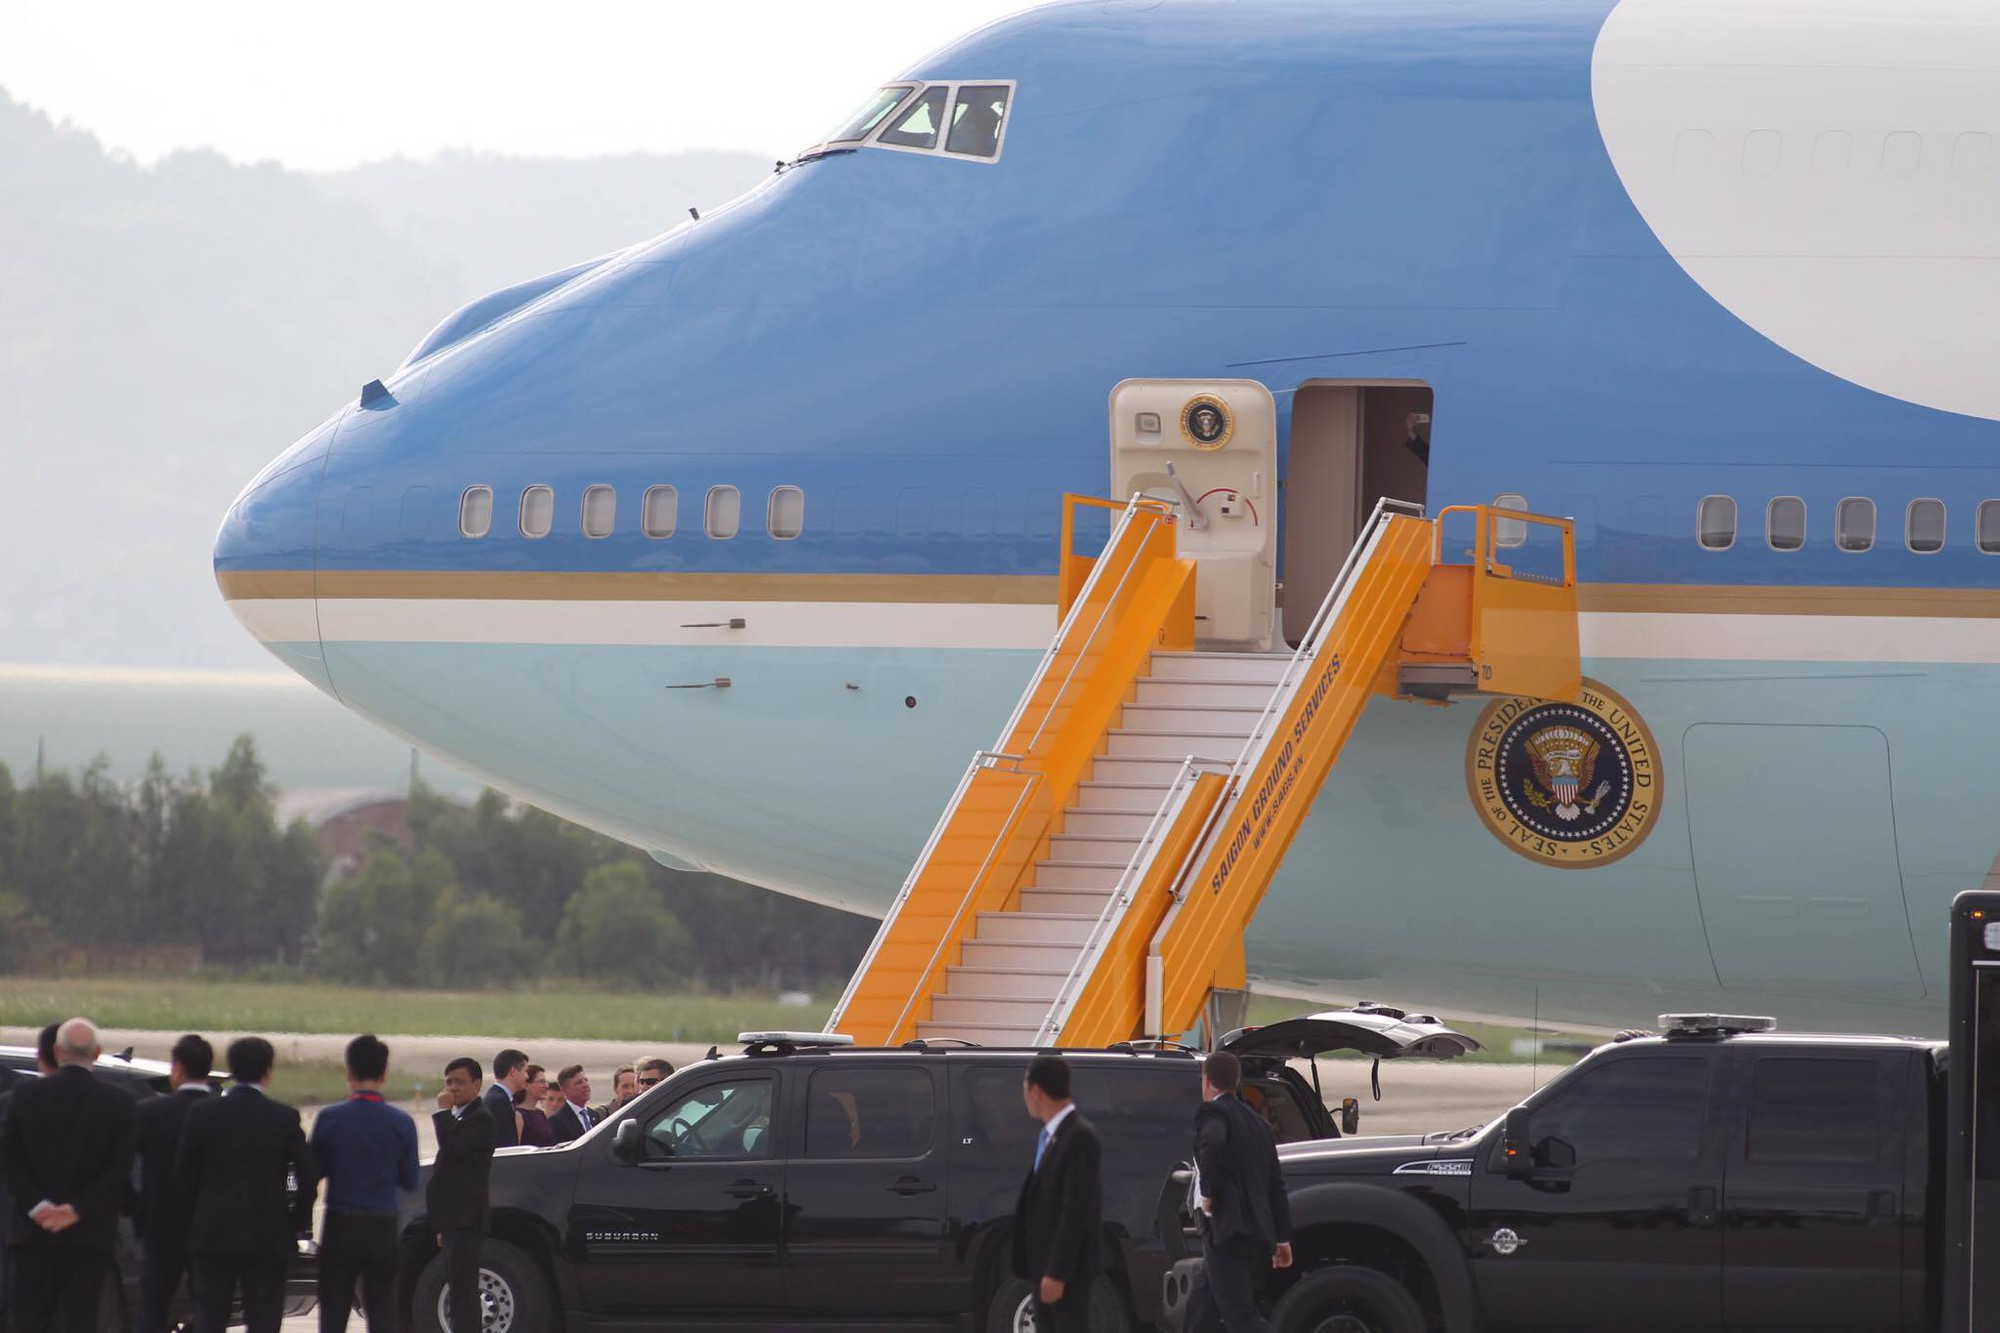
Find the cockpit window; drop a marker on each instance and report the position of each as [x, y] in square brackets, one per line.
[871, 113]
[976, 119]
[918, 127]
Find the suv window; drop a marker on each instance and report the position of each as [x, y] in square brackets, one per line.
[1813, 1110]
[870, 1113]
[726, 1119]
[1646, 1109]
[986, 1108]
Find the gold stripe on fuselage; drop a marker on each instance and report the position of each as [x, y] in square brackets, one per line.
[1026, 590]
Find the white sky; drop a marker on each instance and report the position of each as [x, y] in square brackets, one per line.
[319, 85]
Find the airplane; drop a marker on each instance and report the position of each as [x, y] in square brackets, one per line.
[736, 543]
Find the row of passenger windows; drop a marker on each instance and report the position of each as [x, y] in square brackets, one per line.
[659, 511]
[1854, 521]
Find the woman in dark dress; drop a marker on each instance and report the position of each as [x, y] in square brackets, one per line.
[536, 1132]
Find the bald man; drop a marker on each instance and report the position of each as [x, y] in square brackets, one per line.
[67, 1153]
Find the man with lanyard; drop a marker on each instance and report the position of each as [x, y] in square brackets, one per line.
[368, 1151]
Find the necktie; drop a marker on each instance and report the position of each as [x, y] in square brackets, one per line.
[1041, 1146]
[583, 1117]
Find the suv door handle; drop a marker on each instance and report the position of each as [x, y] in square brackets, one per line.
[749, 1189]
[911, 1185]
[1701, 1205]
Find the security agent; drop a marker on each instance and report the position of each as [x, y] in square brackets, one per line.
[510, 1075]
[1246, 1219]
[368, 1151]
[457, 1198]
[161, 1213]
[1059, 1217]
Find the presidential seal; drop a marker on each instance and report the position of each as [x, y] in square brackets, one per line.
[1206, 422]
[1572, 785]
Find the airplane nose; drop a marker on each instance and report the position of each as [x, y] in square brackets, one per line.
[264, 555]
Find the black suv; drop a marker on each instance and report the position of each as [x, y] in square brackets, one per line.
[803, 1183]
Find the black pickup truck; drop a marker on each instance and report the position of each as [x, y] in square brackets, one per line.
[1722, 1176]
[804, 1183]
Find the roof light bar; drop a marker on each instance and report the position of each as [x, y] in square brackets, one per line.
[794, 1039]
[1714, 1025]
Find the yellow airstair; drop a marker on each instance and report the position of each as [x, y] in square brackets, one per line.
[1092, 876]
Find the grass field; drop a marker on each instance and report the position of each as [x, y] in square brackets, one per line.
[548, 1013]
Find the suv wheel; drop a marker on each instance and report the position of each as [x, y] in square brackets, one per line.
[513, 1295]
[1348, 1299]
[1012, 1309]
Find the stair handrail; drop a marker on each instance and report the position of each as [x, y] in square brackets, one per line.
[1139, 503]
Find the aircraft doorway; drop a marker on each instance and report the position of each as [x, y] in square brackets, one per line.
[1351, 444]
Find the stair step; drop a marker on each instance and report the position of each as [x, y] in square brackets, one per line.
[1179, 745]
[1241, 668]
[1163, 693]
[1191, 719]
[1082, 823]
[983, 1011]
[1099, 875]
[1039, 957]
[1012, 983]
[1122, 797]
[1158, 773]
[1069, 902]
[983, 1034]
[1026, 927]
[1088, 847]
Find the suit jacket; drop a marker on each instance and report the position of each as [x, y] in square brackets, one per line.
[500, 1105]
[456, 1196]
[161, 1213]
[568, 1126]
[237, 1155]
[1238, 1161]
[68, 1139]
[1059, 1218]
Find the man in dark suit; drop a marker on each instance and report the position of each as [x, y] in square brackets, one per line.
[510, 1075]
[576, 1116]
[45, 1064]
[239, 1153]
[160, 1212]
[456, 1199]
[67, 1151]
[1245, 1218]
[1059, 1216]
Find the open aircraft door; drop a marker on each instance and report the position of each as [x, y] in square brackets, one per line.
[1211, 446]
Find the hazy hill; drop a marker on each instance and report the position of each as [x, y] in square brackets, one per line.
[167, 330]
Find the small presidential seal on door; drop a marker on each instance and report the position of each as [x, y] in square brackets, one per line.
[1572, 785]
[1206, 422]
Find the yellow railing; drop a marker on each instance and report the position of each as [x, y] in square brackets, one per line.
[1074, 570]
[1138, 597]
[1517, 630]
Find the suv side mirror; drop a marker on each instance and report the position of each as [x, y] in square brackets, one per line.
[1516, 1159]
[628, 1141]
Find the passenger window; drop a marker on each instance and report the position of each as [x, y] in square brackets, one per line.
[1923, 526]
[1510, 532]
[1644, 1110]
[1988, 527]
[870, 1113]
[786, 518]
[1715, 522]
[1854, 524]
[600, 511]
[1813, 1111]
[976, 119]
[871, 113]
[538, 511]
[1785, 523]
[660, 510]
[986, 1108]
[730, 1119]
[918, 127]
[1151, 1102]
[724, 512]
[475, 511]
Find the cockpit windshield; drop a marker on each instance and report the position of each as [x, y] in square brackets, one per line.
[871, 113]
